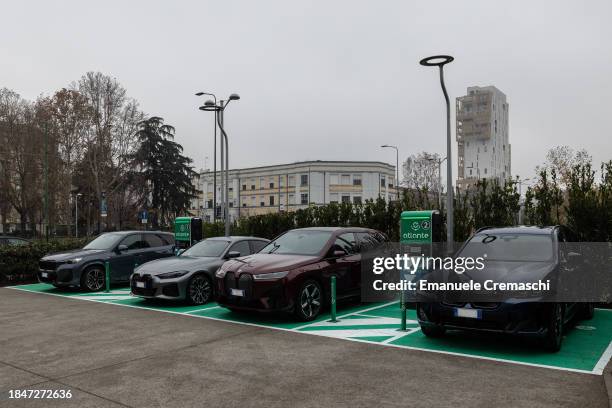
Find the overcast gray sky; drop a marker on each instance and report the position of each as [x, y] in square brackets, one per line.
[329, 80]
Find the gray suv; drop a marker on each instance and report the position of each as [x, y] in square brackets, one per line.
[189, 276]
[124, 250]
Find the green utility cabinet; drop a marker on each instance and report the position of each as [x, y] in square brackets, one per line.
[420, 227]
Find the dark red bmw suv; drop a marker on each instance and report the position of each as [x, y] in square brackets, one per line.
[293, 272]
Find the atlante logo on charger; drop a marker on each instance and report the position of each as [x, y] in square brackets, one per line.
[412, 264]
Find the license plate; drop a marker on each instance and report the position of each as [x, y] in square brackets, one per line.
[140, 284]
[469, 313]
[237, 292]
[44, 274]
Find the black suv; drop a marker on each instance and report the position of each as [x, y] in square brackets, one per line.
[124, 250]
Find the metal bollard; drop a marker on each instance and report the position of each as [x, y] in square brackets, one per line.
[333, 299]
[403, 309]
[107, 275]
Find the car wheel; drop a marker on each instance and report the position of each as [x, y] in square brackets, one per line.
[199, 290]
[309, 301]
[93, 279]
[554, 335]
[588, 311]
[433, 331]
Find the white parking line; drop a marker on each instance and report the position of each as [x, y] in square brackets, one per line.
[597, 369]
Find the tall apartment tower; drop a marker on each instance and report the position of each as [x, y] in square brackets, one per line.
[482, 136]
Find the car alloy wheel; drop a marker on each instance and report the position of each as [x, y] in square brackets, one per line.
[310, 300]
[200, 290]
[94, 279]
[554, 336]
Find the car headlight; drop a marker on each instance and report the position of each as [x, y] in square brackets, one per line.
[172, 275]
[270, 276]
[74, 260]
[220, 273]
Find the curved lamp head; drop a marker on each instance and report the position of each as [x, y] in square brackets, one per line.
[234, 97]
[199, 94]
[210, 106]
[436, 60]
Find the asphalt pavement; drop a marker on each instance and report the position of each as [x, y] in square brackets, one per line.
[111, 356]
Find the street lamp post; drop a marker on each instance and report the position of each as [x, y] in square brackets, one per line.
[440, 61]
[396, 168]
[76, 214]
[439, 163]
[219, 110]
[520, 182]
[214, 217]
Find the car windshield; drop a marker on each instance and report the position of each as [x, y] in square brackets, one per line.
[298, 242]
[104, 241]
[510, 247]
[207, 248]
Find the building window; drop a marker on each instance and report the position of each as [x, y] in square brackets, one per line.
[357, 180]
[291, 199]
[271, 201]
[333, 179]
[231, 204]
[346, 199]
[304, 180]
[304, 198]
[209, 204]
[485, 170]
[252, 186]
[262, 204]
[291, 181]
[271, 185]
[357, 200]
[244, 204]
[345, 179]
[382, 182]
[333, 198]
[230, 189]
[470, 172]
[244, 186]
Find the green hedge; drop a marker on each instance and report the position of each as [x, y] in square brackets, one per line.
[20, 263]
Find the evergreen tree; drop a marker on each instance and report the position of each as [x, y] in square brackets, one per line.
[166, 172]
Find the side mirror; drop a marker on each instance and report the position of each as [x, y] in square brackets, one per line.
[232, 254]
[179, 252]
[122, 248]
[338, 253]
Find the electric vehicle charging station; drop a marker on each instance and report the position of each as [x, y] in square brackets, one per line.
[187, 231]
[418, 231]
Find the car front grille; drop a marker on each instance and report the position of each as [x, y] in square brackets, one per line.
[49, 265]
[244, 282]
[148, 290]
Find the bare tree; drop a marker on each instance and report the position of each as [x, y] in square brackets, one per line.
[562, 160]
[20, 156]
[110, 139]
[420, 172]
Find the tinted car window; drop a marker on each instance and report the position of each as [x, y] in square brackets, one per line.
[17, 241]
[346, 242]
[242, 247]
[153, 241]
[368, 241]
[168, 239]
[133, 242]
[104, 241]
[299, 242]
[258, 245]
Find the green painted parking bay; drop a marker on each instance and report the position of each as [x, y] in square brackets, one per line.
[586, 348]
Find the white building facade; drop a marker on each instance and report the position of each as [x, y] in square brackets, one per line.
[288, 187]
[483, 143]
